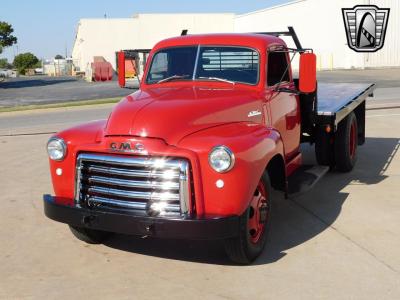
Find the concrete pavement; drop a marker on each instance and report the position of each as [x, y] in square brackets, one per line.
[340, 240]
[52, 120]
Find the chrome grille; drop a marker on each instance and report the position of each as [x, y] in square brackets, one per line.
[149, 184]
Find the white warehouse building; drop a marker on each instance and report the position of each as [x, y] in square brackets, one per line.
[104, 37]
[319, 25]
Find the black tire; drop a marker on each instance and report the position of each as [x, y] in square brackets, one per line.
[324, 148]
[346, 142]
[241, 249]
[89, 236]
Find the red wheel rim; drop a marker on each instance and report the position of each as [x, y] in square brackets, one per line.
[353, 140]
[258, 214]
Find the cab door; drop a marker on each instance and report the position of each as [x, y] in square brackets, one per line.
[283, 107]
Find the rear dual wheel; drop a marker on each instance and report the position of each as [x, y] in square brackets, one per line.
[346, 143]
[338, 150]
[254, 226]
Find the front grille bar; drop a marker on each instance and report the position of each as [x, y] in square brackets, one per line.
[134, 174]
[123, 204]
[130, 205]
[168, 185]
[134, 183]
[135, 195]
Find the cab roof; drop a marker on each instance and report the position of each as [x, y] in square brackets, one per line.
[258, 41]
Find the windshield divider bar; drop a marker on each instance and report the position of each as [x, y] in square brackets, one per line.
[196, 64]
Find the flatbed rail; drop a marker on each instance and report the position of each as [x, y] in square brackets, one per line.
[337, 100]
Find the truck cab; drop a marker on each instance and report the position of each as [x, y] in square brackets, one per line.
[216, 124]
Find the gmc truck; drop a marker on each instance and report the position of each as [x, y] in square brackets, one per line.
[194, 154]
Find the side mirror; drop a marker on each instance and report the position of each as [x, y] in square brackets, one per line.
[308, 73]
[121, 69]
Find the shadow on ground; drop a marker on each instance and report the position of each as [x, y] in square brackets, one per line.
[294, 221]
[39, 82]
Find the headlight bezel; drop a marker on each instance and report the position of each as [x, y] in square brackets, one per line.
[63, 148]
[228, 151]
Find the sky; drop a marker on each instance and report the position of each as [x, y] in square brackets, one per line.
[47, 27]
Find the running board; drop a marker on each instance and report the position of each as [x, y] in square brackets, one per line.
[304, 179]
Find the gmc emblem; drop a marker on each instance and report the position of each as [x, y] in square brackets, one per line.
[127, 147]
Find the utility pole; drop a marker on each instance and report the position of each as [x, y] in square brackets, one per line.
[15, 50]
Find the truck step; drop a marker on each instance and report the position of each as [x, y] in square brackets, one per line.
[304, 179]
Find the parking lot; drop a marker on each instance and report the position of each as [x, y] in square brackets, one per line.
[45, 90]
[37, 90]
[340, 240]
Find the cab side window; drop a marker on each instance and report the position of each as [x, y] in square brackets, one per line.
[277, 68]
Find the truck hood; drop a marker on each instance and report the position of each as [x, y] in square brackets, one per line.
[171, 113]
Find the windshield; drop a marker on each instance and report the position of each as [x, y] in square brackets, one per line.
[221, 63]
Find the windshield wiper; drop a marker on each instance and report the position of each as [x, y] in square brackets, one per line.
[172, 78]
[218, 79]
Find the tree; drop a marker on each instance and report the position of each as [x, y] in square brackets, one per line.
[25, 61]
[4, 64]
[6, 37]
[58, 56]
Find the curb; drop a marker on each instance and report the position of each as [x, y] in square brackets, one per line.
[377, 107]
[81, 103]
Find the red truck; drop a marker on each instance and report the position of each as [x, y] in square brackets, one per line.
[194, 154]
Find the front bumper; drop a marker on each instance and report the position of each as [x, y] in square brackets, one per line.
[206, 228]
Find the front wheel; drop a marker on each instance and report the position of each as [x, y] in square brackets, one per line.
[254, 226]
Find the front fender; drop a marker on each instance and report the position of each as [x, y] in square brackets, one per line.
[86, 134]
[253, 146]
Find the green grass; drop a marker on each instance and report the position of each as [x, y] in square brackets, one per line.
[60, 105]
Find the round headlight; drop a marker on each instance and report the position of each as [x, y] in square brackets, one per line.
[221, 159]
[57, 149]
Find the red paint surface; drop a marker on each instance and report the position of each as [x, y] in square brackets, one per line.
[308, 72]
[255, 223]
[121, 69]
[188, 119]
